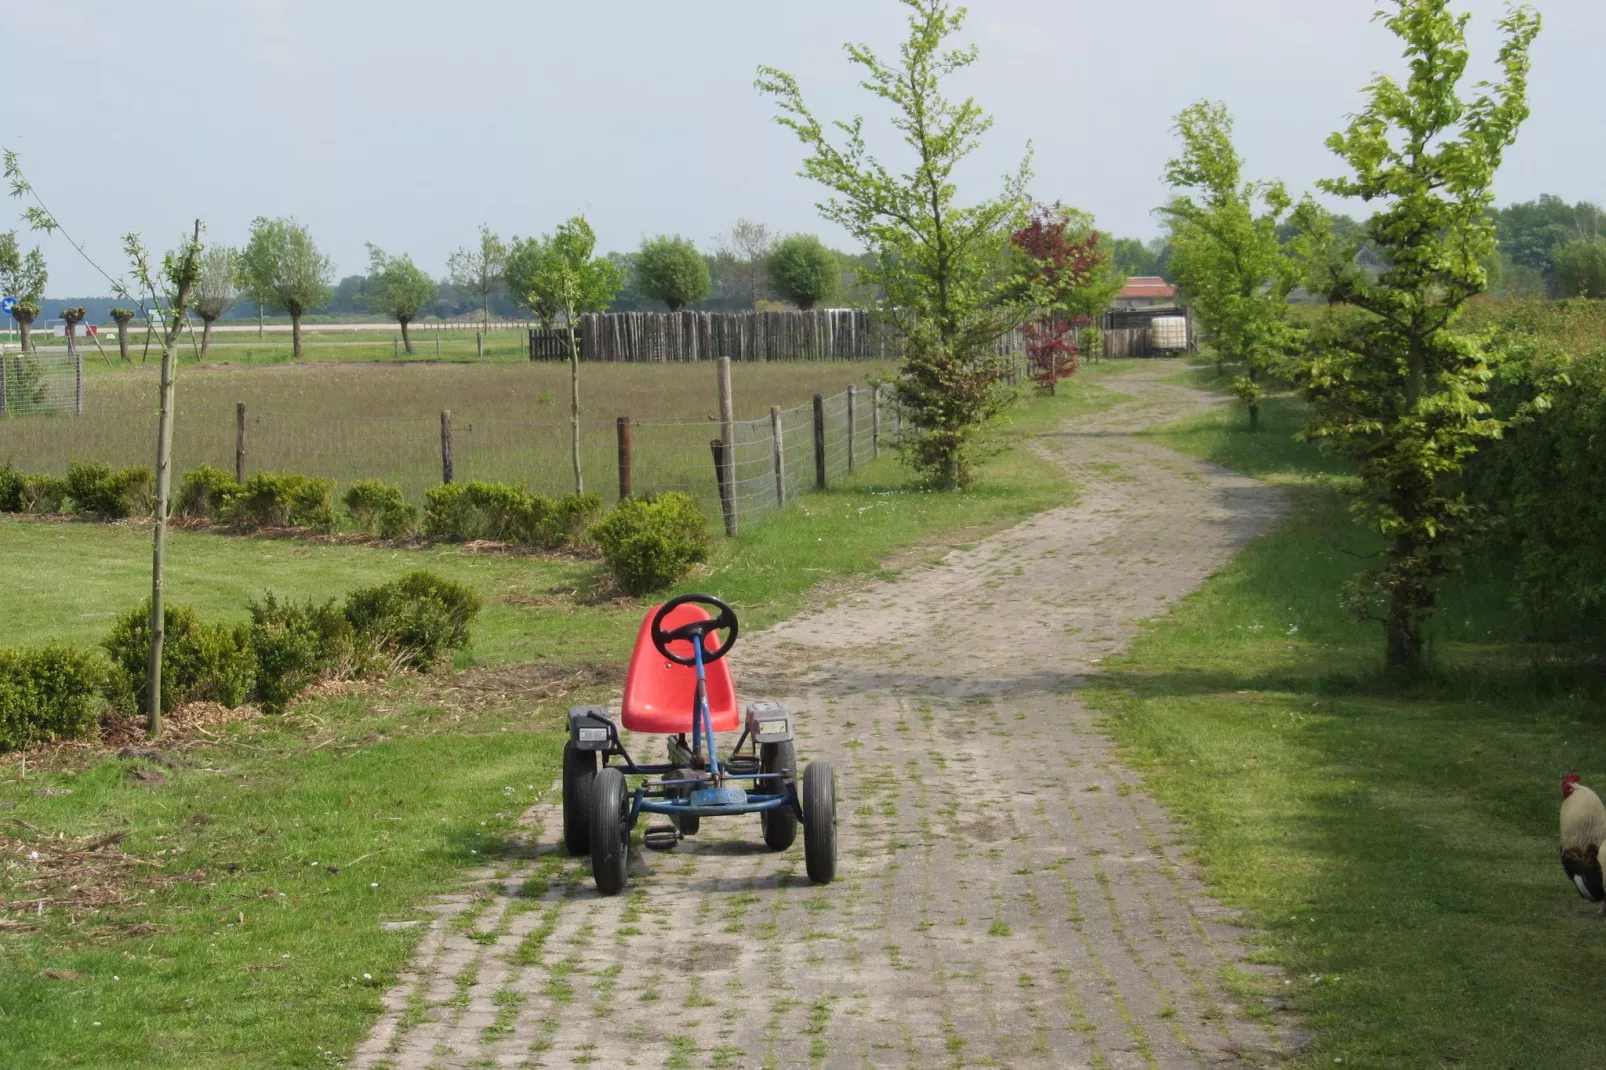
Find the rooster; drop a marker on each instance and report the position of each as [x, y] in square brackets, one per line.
[1583, 831]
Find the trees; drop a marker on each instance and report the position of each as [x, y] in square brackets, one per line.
[122, 317]
[936, 260]
[1532, 232]
[1581, 268]
[1226, 253]
[282, 265]
[1064, 271]
[215, 291]
[480, 271]
[748, 247]
[23, 276]
[803, 271]
[399, 288]
[1393, 386]
[559, 275]
[671, 270]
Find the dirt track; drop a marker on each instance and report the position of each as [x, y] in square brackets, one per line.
[1007, 896]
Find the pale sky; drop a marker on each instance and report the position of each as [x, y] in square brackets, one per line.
[408, 124]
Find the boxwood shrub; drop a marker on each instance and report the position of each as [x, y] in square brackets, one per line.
[211, 662]
[55, 692]
[650, 543]
[282, 499]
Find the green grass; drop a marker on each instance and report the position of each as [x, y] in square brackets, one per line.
[1396, 842]
[403, 788]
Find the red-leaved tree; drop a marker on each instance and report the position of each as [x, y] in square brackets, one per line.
[1063, 273]
[1050, 353]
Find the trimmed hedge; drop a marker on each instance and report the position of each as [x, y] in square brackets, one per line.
[295, 644]
[414, 620]
[282, 499]
[378, 508]
[206, 492]
[200, 662]
[506, 512]
[98, 490]
[52, 693]
[650, 543]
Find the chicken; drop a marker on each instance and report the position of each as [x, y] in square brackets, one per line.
[1583, 831]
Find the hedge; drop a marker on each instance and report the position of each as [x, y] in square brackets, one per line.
[52, 693]
[650, 543]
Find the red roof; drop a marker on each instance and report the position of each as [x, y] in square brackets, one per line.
[1139, 286]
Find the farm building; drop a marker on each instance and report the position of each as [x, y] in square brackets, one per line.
[1145, 291]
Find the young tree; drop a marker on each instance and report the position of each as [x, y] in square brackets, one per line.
[560, 275]
[748, 246]
[1225, 250]
[1581, 268]
[399, 288]
[281, 263]
[215, 290]
[1065, 272]
[936, 261]
[22, 276]
[122, 317]
[803, 271]
[480, 271]
[671, 270]
[1393, 385]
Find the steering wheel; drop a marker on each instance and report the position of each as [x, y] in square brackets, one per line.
[694, 630]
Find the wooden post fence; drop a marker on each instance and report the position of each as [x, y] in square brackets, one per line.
[875, 422]
[727, 497]
[623, 425]
[727, 435]
[239, 442]
[778, 449]
[819, 442]
[853, 396]
[446, 442]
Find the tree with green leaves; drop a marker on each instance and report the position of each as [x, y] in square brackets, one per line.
[560, 275]
[1225, 250]
[936, 260]
[23, 276]
[747, 247]
[671, 270]
[1581, 268]
[281, 263]
[480, 271]
[1393, 385]
[803, 271]
[398, 288]
[216, 290]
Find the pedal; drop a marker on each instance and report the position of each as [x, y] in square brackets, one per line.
[661, 837]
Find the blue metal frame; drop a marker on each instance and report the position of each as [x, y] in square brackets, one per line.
[656, 800]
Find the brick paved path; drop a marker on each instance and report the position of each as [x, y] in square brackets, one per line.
[1007, 896]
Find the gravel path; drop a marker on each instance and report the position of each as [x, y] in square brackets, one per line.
[1007, 895]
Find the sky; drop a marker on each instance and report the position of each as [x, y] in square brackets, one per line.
[409, 124]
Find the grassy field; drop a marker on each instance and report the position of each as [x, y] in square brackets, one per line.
[510, 420]
[274, 347]
[1398, 843]
[254, 937]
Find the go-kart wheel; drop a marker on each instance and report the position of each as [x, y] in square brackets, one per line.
[819, 821]
[579, 770]
[689, 824]
[610, 834]
[780, 826]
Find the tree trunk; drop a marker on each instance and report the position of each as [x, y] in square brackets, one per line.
[407, 339]
[295, 334]
[25, 332]
[206, 336]
[122, 341]
[574, 403]
[1254, 417]
[259, 320]
[1402, 629]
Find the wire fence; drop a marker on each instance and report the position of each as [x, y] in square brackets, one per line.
[40, 383]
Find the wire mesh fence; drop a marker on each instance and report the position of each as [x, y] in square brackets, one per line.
[40, 383]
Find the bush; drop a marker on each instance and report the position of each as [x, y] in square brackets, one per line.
[97, 489]
[10, 489]
[414, 619]
[199, 662]
[379, 508]
[41, 495]
[295, 644]
[571, 515]
[206, 492]
[51, 693]
[505, 512]
[283, 499]
[649, 544]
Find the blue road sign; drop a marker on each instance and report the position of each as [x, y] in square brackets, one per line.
[7, 304]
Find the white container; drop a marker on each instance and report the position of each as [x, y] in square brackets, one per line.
[1168, 332]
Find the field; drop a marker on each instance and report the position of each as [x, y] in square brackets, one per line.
[349, 419]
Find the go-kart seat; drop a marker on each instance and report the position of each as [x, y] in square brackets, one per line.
[659, 694]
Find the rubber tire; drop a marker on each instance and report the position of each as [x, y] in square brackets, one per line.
[780, 826]
[689, 824]
[579, 770]
[610, 840]
[819, 821]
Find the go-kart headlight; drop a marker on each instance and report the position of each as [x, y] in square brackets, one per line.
[773, 728]
[590, 728]
[769, 722]
[596, 735]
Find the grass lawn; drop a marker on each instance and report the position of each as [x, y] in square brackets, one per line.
[1397, 842]
[253, 937]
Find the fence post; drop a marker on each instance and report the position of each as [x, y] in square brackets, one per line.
[395, 346]
[479, 344]
[727, 435]
[623, 424]
[777, 447]
[446, 440]
[875, 422]
[438, 351]
[819, 442]
[239, 442]
[727, 497]
[853, 397]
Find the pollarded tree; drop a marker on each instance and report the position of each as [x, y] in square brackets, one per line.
[282, 265]
[480, 271]
[803, 271]
[671, 270]
[215, 290]
[1225, 251]
[23, 276]
[122, 317]
[1395, 387]
[398, 288]
[935, 260]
